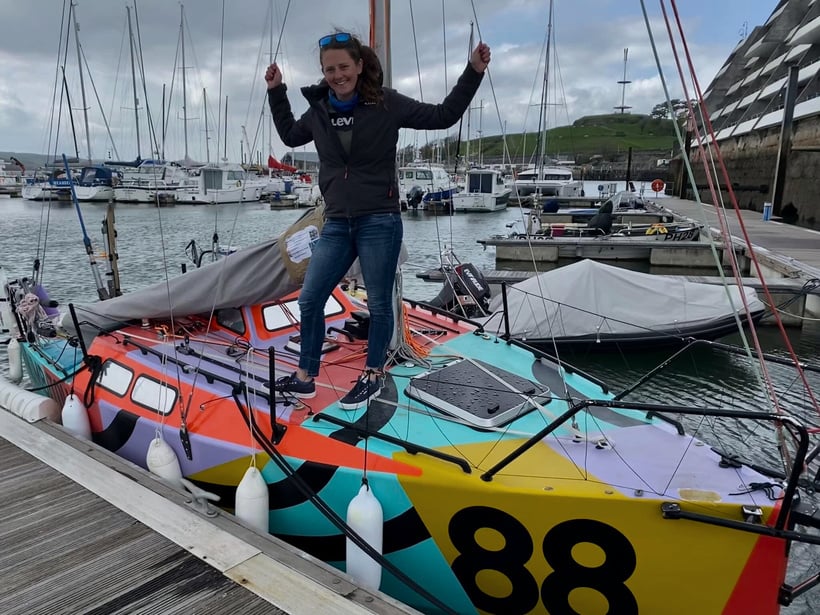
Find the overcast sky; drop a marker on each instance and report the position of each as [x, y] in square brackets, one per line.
[226, 58]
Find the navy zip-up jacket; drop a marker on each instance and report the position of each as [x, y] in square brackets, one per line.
[365, 180]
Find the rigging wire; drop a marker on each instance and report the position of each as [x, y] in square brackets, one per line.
[742, 226]
[722, 218]
[524, 215]
[727, 237]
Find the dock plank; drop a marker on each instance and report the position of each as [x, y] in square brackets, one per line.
[84, 531]
[65, 550]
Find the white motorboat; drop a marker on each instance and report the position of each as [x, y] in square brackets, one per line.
[219, 184]
[429, 181]
[485, 191]
[546, 181]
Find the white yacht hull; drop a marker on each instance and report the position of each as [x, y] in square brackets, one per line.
[479, 202]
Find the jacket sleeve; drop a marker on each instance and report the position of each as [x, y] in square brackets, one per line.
[293, 132]
[425, 116]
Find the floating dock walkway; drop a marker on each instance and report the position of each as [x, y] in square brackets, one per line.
[84, 531]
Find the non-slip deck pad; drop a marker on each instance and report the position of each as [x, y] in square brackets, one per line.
[479, 393]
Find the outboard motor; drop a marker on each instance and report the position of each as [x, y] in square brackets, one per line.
[603, 219]
[414, 196]
[465, 292]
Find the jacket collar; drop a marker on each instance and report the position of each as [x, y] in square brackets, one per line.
[317, 92]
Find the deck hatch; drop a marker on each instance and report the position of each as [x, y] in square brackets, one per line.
[477, 392]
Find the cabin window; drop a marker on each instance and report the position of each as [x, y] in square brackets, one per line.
[424, 175]
[231, 318]
[408, 174]
[282, 315]
[154, 395]
[212, 179]
[115, 378]
[481, 182]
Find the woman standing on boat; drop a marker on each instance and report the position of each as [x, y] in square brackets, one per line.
[354, 123]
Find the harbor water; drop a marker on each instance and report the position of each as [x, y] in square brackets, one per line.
[151, 245]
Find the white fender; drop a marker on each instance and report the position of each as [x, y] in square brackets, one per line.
[26, 404]
[365, 517]
[75, 417]
[162, 461]
[7, 322]
[15, 361]
[252, 500]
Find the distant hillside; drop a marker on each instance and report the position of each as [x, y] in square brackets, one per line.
[606, 137]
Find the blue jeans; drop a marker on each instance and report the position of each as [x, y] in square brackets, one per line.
[376, 240]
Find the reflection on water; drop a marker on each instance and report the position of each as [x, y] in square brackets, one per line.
[151, 247]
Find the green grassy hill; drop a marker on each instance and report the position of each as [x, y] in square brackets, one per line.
[608, 136]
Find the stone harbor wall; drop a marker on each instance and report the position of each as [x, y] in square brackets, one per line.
[751, 161]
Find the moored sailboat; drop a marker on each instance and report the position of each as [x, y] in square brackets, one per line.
[509, 481]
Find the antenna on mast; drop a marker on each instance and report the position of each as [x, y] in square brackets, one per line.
[623, 107]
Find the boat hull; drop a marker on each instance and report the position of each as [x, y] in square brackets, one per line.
[558, 530]
[479, 202]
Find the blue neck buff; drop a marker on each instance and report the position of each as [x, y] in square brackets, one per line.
[343, 105]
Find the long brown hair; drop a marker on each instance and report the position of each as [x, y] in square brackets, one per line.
[369, 83]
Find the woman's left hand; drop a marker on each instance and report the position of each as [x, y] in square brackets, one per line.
[480, 57]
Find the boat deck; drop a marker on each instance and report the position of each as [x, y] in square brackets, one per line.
[99, 535]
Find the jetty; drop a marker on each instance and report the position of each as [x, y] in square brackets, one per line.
[87, 532]
[784, 249]
[788, 256]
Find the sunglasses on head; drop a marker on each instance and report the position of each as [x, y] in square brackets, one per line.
[339, 37]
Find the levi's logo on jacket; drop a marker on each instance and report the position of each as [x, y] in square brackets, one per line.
[342, 121]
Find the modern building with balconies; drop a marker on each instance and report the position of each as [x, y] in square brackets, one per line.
[773, 69]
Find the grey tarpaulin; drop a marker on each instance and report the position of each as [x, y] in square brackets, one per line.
[252, 275]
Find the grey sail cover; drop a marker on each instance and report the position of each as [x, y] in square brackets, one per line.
[262, 272]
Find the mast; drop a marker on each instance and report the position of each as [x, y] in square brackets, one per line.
[113, 270]
[164, 125]
[134, 81]
[205, 110]
[267, 125]
[102, 290]
[184, 90]
[542, 153]
[82, 83]
[623, 83]
[469, 108]
[225, 129]
[480, 114]
[380, 36]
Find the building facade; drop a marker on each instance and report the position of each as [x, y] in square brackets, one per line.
[747, 103]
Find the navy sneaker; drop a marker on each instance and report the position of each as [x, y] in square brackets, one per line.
[362, 392]
[292, 385]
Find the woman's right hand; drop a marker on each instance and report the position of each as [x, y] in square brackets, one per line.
[273, 76]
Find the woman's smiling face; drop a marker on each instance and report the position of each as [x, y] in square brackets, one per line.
[341, 72]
